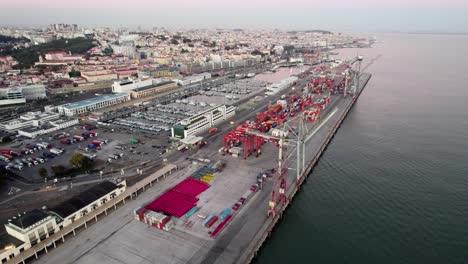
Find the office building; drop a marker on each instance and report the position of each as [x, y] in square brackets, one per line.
[202, 122]
[92, 104]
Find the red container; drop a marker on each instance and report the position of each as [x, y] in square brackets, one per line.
[211, 222]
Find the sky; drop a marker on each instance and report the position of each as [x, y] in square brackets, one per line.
[440, 16]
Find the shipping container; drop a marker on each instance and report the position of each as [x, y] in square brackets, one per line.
[211, 222]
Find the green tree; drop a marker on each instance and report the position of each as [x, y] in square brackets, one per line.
[108, 51]
[42, 172]
[74, 73]
[174, 42]
[79, 161]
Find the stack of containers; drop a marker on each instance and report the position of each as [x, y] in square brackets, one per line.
[224, 213]
[158, 220]
[139, 213]
[206, 220]
[221, 225]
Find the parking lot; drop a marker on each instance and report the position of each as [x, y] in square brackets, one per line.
[156, 121]
[29, 164]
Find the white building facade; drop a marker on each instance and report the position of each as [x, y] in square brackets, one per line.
[202, 122]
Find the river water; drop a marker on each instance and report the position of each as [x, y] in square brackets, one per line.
[392, 187]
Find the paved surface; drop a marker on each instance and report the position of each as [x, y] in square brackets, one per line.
[119, 238]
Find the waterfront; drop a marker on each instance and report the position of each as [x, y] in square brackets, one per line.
[391, 187]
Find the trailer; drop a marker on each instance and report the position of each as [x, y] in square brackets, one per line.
[56, 151]
[97, 143]
[78, 138]
[5, 159]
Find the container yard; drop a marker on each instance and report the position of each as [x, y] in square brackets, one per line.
[222, 203]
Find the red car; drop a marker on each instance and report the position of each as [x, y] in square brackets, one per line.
[242, 200]
[236, 207]
[254, 188]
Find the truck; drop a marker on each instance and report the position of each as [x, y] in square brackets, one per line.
[27, 163]
[8, 156]
[5, 159]
[6, 151]
[43, 146]
[26, 151]
[65, 141]
[78, 138]
[15, 166]
[114, 156]
[135, 140]
[32, 148]
[35, 162]
[92, 134]
[89, 156]
[97, 143]
[36, 146]
[61, 135]
[40, 160]
[48, 145]
[56, 151]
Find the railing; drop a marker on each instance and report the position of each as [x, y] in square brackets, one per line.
[60, 235]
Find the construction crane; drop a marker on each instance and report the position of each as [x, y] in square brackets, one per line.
[356, 73]
[290, 144]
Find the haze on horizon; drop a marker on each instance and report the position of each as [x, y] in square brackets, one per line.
[438, 16]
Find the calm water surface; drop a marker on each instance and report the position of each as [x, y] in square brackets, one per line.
[392, 187]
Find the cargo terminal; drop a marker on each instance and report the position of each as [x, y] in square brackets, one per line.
[217, 214]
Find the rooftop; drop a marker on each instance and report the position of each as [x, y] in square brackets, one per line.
[152, 86]
[94, 100]
[29, 218]
[83, 199]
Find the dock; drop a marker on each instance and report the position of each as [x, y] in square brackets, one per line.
[118, 238]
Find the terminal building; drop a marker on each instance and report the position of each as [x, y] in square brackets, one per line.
[138, 88]
[92, 104]
[29, 228]
[21, 94]
[196, 78]
[202, 122]
[153, 89]
[33, 124]
[276, 87]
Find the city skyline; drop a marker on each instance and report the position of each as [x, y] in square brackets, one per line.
[383, 16]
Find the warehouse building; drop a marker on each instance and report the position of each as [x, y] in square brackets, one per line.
[202, 122]
[276, 87]
[153, 89]
[85, 202]
[27, 229]
[21, 94]
[195, 78]
[92, 104]
[33, 124]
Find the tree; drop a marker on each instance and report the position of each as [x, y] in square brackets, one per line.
[174, 42]
[79, 161]
[256, 52]
[186, 40]
[42, 172]
[108, 51]
[74, 73]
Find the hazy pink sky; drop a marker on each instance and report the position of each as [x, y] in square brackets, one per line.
[338, 15]
[235, 3]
